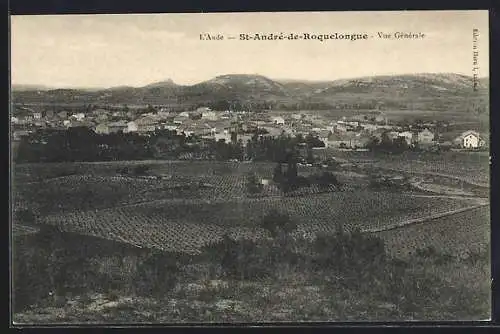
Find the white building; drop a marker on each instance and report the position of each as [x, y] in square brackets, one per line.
[469, 139]
[209, 115]
[79, 116]
[407, 135]
[203, 109]
[278, 120]
[425, 137]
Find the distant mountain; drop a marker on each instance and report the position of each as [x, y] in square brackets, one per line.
[21, 87]
[413, 91]
[165, 83]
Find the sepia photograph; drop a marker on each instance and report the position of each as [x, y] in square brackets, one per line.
[265, 167]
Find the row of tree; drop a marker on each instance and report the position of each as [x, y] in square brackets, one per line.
[82, 144]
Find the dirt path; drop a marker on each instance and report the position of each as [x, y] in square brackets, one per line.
[422, 219]
[454, 177]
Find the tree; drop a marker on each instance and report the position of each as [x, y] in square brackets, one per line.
[253, 185]
[278, 173]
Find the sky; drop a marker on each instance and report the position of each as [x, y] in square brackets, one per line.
[136, 50]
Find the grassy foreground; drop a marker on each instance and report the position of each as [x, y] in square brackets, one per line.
[68, 278]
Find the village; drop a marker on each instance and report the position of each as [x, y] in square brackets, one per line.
[358, 132]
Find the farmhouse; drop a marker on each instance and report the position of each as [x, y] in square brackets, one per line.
[369, 126]
[179, 120]
[48, 114]
[170, 127]
[392, 135]
[278, 120]
[380, 119]
[163, 114]
[62, 114]
[17, 135]
[469, 139]
[209, 115]
[425, 137]
[78, 116]
[23, 116]
[100, 111]
[203, 109]
[407, 135]
[144, 124]
[112, 127]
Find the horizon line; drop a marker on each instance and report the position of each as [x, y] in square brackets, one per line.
[48, 87]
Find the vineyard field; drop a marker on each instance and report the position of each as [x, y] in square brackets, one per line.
[455, 234]
[185, 225]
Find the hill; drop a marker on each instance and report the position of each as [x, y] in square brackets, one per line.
[425, 91]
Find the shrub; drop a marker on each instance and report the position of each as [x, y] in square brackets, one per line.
[353, 250]
[253, 185]
[141, 170]
[278, 223]
[24, 216]
[156, 275]
[243, 259]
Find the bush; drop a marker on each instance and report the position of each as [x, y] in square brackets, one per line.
[156, 275]
[243, 259]
[24, 216]
[278, 223]
[253, 185]
[141, 170]
[346, 251]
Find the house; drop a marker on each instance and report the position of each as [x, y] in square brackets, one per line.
[62, 114]
[323, 135]
[132, 126]
[18, 135]
[381, 119]
[184, 114]
[112, 127]
[278, 120]
[37, 115]
[209, 115]
[48, 114]
[118, 114]
[360, 140]
[224, 135]
[469, 139]
[369, 126]
[23, 116]
[163, 114]
[425, 137]
[142, 125]
[102, 118]
[171, 127]
[179, 120]
[340, 127]
[78, 116]
[392, 135]
[101, 129]
[203, 109]
[407, 135]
